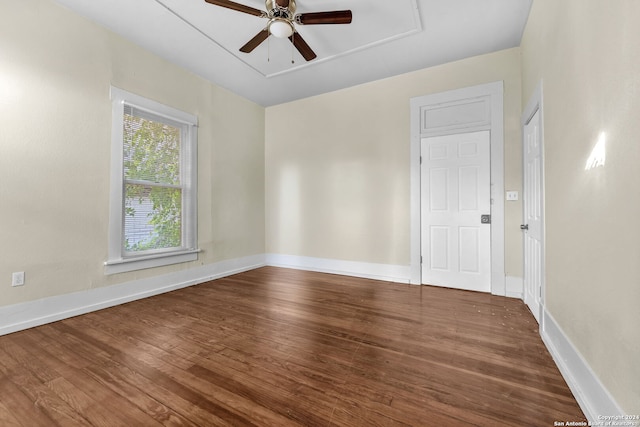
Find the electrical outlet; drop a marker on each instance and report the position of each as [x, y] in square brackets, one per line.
[17, 278]
[512, 195]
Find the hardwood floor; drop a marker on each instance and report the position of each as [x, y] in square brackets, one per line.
[278, 347]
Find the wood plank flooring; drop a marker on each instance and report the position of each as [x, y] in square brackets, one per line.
[278, 347]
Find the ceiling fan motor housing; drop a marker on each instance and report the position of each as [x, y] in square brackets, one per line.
[281, 8]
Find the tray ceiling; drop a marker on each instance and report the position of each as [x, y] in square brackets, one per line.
[386, 38]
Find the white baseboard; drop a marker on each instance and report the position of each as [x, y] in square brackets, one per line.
[385, 272]
[26, 315]
[29, 314]
[592, 396]
[514, 287]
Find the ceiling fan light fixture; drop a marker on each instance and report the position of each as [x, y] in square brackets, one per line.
[280, 28]
[282, 19]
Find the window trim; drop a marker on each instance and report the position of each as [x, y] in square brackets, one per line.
[117, 262]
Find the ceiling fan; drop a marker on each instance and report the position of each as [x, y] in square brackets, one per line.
[282, 19]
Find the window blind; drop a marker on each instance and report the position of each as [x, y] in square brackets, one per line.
[153, 188]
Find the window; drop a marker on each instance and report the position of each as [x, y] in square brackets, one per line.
[153, 208]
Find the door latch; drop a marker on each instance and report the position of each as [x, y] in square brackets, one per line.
[524, 226]
[485, 219]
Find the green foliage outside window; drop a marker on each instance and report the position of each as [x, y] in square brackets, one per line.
[153, 197]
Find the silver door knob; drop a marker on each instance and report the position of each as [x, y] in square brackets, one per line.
[524, 226]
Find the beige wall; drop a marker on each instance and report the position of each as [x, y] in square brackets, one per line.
[337, 183]
[586, 53]
[55, 123]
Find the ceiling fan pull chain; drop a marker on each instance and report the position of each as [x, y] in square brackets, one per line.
[268, 50]
[292, 37]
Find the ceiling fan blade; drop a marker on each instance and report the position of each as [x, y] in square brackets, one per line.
[302, 46]
[236, 6]
[334, 17]
[255, 41]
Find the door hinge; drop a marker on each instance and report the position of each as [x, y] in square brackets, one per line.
[420, 259]
[420, 159]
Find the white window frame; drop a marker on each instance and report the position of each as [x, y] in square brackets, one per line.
[118, 260]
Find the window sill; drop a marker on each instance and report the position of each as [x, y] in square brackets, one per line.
[139, 263]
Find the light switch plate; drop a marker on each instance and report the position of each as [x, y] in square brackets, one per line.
[17, 278]
[512, 195]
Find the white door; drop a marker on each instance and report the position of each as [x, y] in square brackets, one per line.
[455, 194]
[532, 227]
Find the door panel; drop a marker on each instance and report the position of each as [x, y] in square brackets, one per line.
[438, 187]
[439, 248]
[532, 198]
[455, 182]
[468, 182]
[469, 250]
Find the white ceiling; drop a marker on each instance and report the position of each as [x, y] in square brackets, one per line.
[386, 38]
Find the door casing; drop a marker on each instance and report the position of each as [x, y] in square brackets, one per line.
[492, 94]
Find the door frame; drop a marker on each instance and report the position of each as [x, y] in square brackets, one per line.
[494, 94]
[535, 105]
